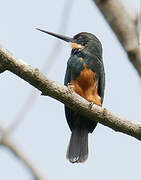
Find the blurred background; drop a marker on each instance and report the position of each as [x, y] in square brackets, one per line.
[38, 123]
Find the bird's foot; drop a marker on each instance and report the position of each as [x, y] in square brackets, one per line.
[43, 94]
[70, 87]
[91, 105]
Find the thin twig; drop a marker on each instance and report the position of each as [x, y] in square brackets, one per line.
[12, 146]
[64, 95]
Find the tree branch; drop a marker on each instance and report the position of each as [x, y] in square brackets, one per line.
[8, 142]
[123, 21]
[66, 96]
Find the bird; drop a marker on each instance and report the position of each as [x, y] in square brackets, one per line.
[85, 73]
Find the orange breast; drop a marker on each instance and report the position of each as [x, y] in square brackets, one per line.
[86, 86]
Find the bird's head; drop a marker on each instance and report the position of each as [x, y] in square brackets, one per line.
[80, 41]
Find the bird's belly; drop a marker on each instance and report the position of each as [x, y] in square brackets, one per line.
[86, 86]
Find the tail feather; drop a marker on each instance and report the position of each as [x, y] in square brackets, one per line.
[78, 146]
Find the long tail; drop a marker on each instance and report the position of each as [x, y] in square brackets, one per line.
[78, 146]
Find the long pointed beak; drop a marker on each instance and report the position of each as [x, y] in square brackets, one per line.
[65, 38]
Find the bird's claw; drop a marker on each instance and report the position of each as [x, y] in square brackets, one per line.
[70, 87]
[43, 94]
[91, 105]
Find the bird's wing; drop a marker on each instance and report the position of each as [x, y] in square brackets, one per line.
[67, 76]
[101, 83]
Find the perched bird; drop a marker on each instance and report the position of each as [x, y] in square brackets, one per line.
[85, 72]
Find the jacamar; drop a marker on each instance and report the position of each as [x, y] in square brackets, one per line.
[85, 72]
